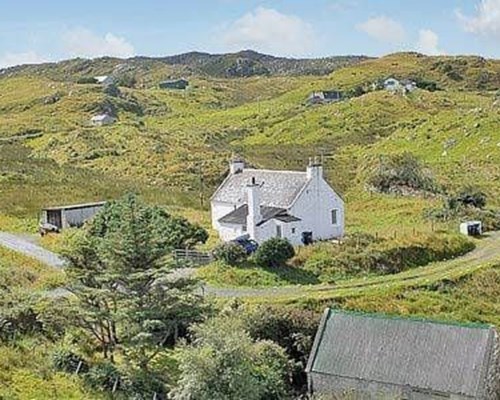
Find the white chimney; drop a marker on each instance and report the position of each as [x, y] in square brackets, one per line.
[314, 169]
[253, 202]
[236, 165]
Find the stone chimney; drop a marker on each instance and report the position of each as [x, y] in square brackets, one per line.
[253, 202]
[314, 169]
[236, 165]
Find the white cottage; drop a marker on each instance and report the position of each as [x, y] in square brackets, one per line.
[102, 120]
[298, 206]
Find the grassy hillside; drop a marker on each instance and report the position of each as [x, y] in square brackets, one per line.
[173, 146]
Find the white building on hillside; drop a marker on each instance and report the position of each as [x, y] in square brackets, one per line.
[298, 206]
[102, 120]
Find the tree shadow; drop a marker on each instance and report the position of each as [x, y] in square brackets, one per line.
[293, 275]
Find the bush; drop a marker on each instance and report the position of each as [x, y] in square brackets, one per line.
[112, 90]
[140, 385]
[231, 253]
[426, 85]
[469, 196]
[103, 376]
[87, 80]
[127, 80]
[274, 252]
[292, 329]
[67, 361]
[398, 172]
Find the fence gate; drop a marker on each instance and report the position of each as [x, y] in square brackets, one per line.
[194, 256]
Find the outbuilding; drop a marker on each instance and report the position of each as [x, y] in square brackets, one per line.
[471, 228]
[371, 356]
[102, 120]
[179, 84]
[325, 96]
[70, 215]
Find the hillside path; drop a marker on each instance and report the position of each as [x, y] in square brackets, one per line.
[487, 251]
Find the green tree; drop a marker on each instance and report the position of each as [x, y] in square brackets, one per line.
[119, 269]
[274, 252]
[224, 363]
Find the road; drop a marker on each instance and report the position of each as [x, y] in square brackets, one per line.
[486, 252]
[24, 245]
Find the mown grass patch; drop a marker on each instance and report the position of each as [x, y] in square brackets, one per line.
[220, 274]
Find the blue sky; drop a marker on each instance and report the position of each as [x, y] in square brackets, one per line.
[34, 30]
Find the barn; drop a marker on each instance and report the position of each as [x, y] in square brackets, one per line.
[371, 356]
[71, 215]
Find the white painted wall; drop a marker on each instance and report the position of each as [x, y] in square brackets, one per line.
[229, 232]
[313, 206]
[226, 231]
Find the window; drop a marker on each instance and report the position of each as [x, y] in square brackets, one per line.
[293, 230]
[278, 231]
[244, 228]
[335, 217]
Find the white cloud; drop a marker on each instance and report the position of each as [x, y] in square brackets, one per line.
[270, 31]
[383, 29]
[428, 42]
[82, 42]
[486, 20]
[28, 57]
[342, 5]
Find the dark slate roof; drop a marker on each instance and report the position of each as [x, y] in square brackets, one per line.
[446, 358]
[278, 188]
[239, 215]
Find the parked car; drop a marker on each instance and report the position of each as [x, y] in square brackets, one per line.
[45, 228]
[249, 245]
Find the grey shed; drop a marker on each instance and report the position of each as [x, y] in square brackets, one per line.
[74, 215]
[370, 356]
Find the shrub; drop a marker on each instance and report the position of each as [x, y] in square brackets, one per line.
[127, 80]
[231, 253]
[224, 362]
[468, 196]
[138, 384]
[67, 361]
[112, 90]
[426, 85]
[274, 252]
[103, 376]
[401, 171]
[86, 80]
[292, 329]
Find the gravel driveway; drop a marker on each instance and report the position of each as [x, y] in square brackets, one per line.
[487, 251]
[26, 246]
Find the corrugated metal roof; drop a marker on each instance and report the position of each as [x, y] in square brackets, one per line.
[72, 206]
[446, 358]
[278, 188]
[239, 215]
